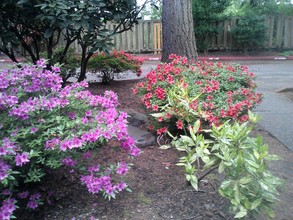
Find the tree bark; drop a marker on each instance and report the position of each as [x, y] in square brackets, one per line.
[83, 63]
[178, 32]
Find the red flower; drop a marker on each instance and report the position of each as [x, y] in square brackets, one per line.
[198, 82]
[208, 89]
[161, 131]
[177, 71]
[244, 118]
[245, 91]
[149, 87]
[160, 119]
[179, 124]
[168, 115]
[229, 93]
[160, 93]
[155, 108]
[223, 113]
[170, 79]
[140, 85]
[147, 104]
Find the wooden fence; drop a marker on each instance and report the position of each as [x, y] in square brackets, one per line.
[146, 36]
[279, 32]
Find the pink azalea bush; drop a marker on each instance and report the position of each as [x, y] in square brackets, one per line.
[180, 92]
[44, 126]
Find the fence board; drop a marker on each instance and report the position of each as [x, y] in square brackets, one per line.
[269, 23]
[287, 33]
[279, 32]
[291, 32]
[146, 36]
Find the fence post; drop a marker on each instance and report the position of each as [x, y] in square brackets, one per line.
[157, 37]
[291, 32]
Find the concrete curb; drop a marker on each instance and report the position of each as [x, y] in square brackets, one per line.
[226, 58]
[285, 90]
[200, 58]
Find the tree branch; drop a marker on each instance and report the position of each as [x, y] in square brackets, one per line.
[207, 173]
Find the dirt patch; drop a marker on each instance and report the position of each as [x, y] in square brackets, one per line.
[159, 189]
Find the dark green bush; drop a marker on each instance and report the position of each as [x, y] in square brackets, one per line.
[114, 64]
[250, 31]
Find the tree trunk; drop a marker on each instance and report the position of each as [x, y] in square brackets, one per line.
[83, 63]
[178, 32]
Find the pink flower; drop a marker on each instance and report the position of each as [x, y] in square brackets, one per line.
[122, 169]
[34, 130]
[95, 168]
[3, 175]
[21, 159]
[68, 162]
[32, 204]
[6, 192]
[71, 115]
[8, 207]
[135, 151]
[121, 186]
[23, 195]
[87, 155]
[84, 120]
[88, 113]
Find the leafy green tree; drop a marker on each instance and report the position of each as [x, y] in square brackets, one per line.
[34, 24]
[250, 31]
[261, 7]
[19, 27]
[207, 14]
[153, 10]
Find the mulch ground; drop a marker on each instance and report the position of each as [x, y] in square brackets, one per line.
[159, 189]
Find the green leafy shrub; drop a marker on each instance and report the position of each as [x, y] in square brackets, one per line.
[207, 15]
[179, 93]
[248, 184]
[114, 64]
[70, 62]
[249, 32]
[286, 53]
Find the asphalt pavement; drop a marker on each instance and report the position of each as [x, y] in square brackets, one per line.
[276, 109]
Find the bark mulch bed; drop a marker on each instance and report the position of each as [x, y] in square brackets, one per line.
[159, 189]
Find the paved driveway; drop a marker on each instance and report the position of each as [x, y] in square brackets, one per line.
[276, 109]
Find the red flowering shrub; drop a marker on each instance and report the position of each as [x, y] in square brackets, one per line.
[114, 64]
[181, 92]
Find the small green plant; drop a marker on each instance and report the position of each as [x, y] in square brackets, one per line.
[286, 53]
[114, 64]
[248, 184]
